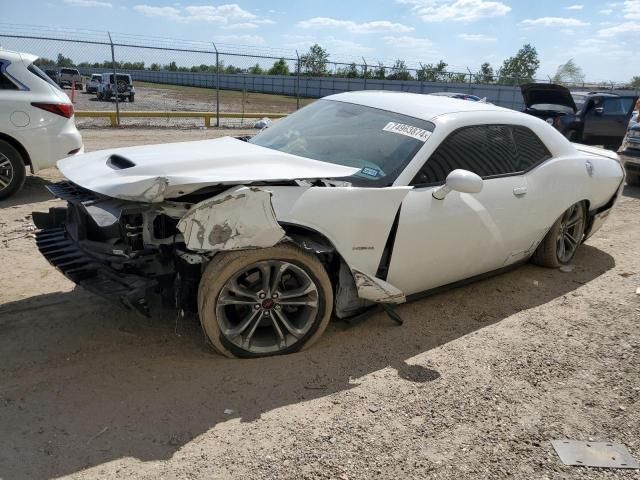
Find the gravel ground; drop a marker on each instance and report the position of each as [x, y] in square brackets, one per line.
[474, 385]
[152, 97]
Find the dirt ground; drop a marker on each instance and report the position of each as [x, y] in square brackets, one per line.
[474, 385]
[160, 97]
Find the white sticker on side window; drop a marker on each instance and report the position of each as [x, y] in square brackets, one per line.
[408, 130]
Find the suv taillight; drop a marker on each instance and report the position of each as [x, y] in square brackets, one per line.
[62, 109]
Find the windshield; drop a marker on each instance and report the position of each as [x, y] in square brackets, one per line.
[96, 77]
[378, 142]
[579, 99]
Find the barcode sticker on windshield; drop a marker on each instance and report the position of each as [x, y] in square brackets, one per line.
[408, 130]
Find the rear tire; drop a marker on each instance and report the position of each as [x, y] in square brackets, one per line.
[560, 244]
[243, 318]
[12, 170]
[131, 97]
[633, 179]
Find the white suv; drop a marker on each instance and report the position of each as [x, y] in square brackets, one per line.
[37, 127]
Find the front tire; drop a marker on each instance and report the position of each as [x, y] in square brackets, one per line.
[270, 301]
[12, 170]
[560, 244]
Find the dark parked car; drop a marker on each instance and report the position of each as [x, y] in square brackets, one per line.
[592, 118]
[630, 155]
[459, 96]
[53, 75]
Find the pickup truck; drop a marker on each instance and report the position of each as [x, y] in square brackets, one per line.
[70, 77]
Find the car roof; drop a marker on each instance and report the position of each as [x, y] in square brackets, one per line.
[425, 107]
[13, 56]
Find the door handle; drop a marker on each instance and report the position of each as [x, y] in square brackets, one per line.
[519, 191]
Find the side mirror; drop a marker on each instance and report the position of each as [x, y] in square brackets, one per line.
[599, 110]
[462, 181]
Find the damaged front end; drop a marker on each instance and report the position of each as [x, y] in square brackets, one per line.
[115, 248]
[123, 249]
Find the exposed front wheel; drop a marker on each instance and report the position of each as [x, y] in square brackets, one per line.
[12, 170]
[561, 242]
[270, 301]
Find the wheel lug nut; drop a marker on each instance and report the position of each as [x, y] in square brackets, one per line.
[266, 313]
[261, 295]
[257, 306]
[277, 307]
[275, 295]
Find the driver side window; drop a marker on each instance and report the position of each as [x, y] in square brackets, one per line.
[486, 150]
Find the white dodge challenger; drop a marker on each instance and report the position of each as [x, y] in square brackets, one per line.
[358, 199]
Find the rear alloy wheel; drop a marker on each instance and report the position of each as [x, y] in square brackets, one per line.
[562, 241]
[264, 302]
[12, 170]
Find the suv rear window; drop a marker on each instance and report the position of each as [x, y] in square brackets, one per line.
[33, 68]
[69, 71]
[121, 78]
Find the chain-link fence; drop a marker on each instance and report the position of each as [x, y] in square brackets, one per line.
[186, 82]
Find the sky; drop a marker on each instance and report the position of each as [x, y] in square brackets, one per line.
[598, 35]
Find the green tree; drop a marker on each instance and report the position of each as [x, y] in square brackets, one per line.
[433, 73]
[45, 62]
[568, 73]
[349, 71]
[314, 62]
[233, 70]
[380, 72]
[280, 67]
[485, 74]
[155, 67]
[635, 82]
[172, 67]
[256, 70]
[63, 61]
[521, 67]
[400, 71]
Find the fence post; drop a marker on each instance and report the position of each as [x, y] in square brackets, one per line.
[470, 80]
[297, 81]
[217, 85]
[115, 78]
[365, 73]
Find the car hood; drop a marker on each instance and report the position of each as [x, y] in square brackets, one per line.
[152, 173]
[547, 93]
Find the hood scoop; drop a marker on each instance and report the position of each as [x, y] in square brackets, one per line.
[118, 162]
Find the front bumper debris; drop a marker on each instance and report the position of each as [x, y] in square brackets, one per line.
[78, 266]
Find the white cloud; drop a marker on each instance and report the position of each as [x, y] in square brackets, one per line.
[332, 44]
[151, 11]
[380, 26]
[457, 10]
[620, 29]
[476, 37]
[575, 7]
[553, 22]
[242, 26]
[631, 9]
[409, 43]
[222, 13]
[606, 11]
[88, 3]
[240, 39]
[229, 15]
